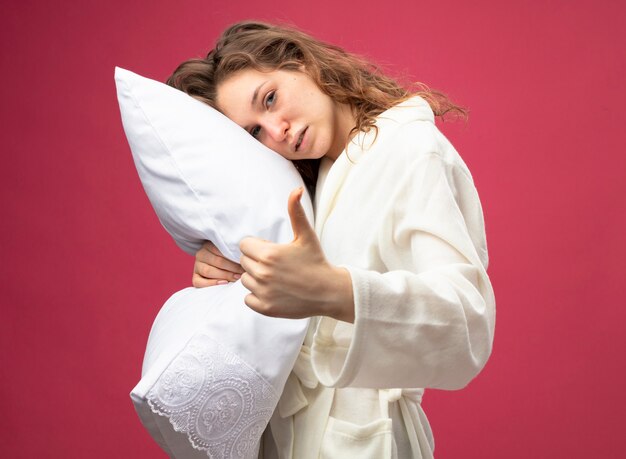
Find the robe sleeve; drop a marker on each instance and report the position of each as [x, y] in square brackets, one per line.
[429, 320]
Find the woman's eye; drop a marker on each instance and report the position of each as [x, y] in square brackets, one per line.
[269, 100]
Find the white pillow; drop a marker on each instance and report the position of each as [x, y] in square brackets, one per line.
[213, 369]
[206, 177]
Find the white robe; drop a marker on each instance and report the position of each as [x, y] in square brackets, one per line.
[401, 213]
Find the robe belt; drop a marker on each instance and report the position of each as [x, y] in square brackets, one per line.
[387, 396]
[293, 399]
[393, 395]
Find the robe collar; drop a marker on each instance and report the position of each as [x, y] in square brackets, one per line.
[332, 175]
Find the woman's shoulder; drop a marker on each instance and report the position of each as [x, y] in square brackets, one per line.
[413, 109]
[399, 123]
[407, 128]
[410, 122]
[407, 134]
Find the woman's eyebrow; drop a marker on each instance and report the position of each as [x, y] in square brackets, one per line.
[256, 93]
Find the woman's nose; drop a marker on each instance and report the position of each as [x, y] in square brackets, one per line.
[277, 128]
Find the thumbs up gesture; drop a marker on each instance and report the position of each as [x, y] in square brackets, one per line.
[295, 280]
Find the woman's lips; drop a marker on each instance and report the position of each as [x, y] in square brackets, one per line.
[301, 141]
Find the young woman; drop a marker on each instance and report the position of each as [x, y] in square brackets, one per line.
[394, 271]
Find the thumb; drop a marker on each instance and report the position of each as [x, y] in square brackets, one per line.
[299, 222]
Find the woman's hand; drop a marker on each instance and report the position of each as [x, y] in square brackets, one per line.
[211, 268]
[295, 280]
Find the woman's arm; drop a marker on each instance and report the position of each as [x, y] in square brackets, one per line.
[428, 319]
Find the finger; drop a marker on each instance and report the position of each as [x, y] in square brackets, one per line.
[248, 282]
[255, 270]
[200, 282]
[210, 255]
[212, 248]
[299, 221]
[255, 248]
[212, 272]
[208, 245]
[254, 303]
[207, 251]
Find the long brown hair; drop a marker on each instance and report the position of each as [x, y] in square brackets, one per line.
[343, 76]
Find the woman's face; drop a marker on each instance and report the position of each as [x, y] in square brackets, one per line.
[287, 112]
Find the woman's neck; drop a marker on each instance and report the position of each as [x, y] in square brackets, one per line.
[345, 122]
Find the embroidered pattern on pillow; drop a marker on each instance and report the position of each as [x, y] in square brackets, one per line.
[217, 399]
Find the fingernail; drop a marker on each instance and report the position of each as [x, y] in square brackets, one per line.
[237, 276]
[222, 282]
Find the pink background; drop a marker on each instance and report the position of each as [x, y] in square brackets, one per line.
[86, 266]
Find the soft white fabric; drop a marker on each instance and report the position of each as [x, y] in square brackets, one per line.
[403, 216]
[213, 369]
[206, 177]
